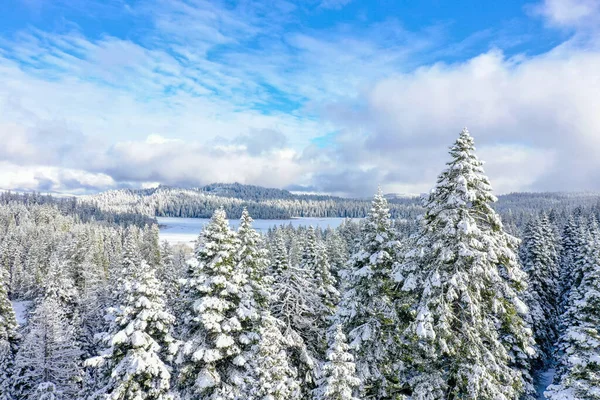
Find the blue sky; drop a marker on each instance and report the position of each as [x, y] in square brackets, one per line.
[335, 96]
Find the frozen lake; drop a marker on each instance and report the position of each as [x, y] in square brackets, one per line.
[186, 230]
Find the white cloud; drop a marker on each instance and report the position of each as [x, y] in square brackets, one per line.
[157, 139]
[536, 117]
[194, 163]
[516, 167]
[334, 4]
[569, 13]
[52, 179]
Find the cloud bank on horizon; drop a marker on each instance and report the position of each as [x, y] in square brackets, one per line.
[334, 96]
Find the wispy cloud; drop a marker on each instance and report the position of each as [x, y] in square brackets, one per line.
[334, 4]
[569, 13]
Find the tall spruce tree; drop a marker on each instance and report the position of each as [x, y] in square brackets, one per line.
[60, 285]
[551, 233]
[8, 337]
[469, 339]
[280, 261]
[255, 295]
[298, 304]
[584, 239]
[211, 364]
[578, 371]
[149, 246]
[315, 263]
[168, 273]
[540, 261]
[569, 243]
[337, 252]
[253, 261]
[309, 257]
[367, 311]
[325, 279]
[48, 353]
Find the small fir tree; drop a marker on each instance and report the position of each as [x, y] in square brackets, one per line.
[270, 373]
[367, 311]
[338, 381]
[139, 343]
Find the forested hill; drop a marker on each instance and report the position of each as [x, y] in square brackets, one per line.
[82, 211]
[262, 203]
[268, 203]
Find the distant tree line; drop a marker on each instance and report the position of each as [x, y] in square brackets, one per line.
[83, 211]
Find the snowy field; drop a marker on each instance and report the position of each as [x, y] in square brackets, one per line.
[186, 230]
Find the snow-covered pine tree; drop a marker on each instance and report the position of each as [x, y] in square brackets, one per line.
[469, 339]
[8, 337]
[569, 243]
[132, 256]
[350, 232]
[16, 272]
[295, 245]
[35, 257]
[577, 376]
[308, 258]
[338, 380]
[325, 279]
[139, 342]
[550, 231]
[98, 291]
[270, 374]
[280, 261]
[169, 274]
[298, 303]
[315, 263]
[48, 353]
[539, 259]
[150, 247]
[47, 391]
[125, 269]
[59, 284]
[95, 297]
[337, 252]
[211, 365]
[585, 235]
[367, 311]
[253, 261]
[77, 252]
